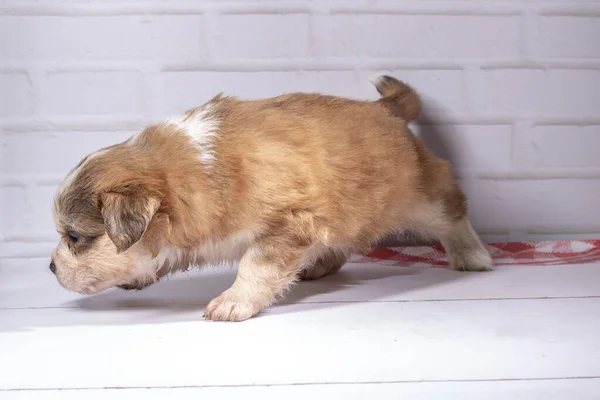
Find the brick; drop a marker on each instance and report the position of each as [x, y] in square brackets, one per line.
[39, 218]
[568, 36]
[182, 90]
[546, 205]
[16, 95]
[100, 38]
[560, 146]
[75, 93]
[424, 36]
[555, 93]
[51, 154]
[27, 212]
[470, 147]
[263, 36]
[12, 209]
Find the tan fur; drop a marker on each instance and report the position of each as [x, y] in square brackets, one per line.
[287, 185]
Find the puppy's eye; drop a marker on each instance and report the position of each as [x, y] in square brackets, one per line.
[73, 236]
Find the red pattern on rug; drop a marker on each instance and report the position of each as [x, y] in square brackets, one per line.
[560, 252]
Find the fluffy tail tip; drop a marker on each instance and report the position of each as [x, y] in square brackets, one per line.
[397, 96]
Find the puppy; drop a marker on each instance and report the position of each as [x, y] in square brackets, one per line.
[288, 186]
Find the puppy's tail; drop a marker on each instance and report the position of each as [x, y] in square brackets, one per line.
[398, 97]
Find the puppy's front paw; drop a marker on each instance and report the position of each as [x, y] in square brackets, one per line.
[230, 307]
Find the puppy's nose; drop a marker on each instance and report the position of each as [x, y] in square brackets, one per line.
[52, 267]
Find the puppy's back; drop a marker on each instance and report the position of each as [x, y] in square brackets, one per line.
[342, 159]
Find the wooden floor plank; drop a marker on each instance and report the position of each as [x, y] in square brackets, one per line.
[302, 343]
[580, 389]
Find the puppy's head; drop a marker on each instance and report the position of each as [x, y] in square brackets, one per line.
[103, 210]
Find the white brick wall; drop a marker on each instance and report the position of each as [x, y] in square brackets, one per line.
[265, 36]
[424, 36]
[107, 93]
[511, 88]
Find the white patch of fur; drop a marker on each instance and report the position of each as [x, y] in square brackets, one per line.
[231, 248]
[149, 266]
[212, 251]
[202, 128]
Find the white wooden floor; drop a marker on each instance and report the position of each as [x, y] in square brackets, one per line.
[371, 331]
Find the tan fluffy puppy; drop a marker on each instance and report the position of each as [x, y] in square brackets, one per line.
[289, 186]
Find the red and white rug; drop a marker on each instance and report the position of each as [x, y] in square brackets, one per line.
[512, 253]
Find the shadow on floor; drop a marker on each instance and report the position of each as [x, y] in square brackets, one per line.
[183, 298]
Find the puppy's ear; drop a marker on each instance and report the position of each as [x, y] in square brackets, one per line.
[126, 217]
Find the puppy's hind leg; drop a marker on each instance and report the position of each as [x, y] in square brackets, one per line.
[447, 221]
[464, 248]
[327, 264]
